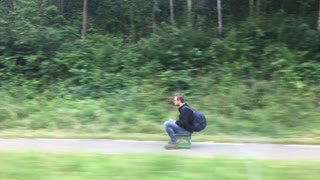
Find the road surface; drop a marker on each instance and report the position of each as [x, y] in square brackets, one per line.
[206, 149]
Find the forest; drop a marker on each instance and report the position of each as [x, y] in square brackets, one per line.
[112, 66]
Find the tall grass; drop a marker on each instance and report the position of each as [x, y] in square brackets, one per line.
[241, 110]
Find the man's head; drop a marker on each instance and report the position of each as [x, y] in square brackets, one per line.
[179, 100]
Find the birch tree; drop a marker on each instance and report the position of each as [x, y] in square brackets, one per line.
[219, 17]
[189, 5]
[254, 7]
[84, 19]
[319, 17]
[171, 13]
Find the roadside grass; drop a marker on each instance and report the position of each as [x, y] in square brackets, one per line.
[197, 137]
[41, 165]
[238, 114]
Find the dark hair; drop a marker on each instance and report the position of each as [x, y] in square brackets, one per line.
[180, 97]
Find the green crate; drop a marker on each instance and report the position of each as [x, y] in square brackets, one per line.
[184, 141]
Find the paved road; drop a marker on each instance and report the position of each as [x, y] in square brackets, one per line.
[247, 150]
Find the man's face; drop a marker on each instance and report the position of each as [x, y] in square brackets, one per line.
[176, 101]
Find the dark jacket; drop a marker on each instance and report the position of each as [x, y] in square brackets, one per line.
[185, 118]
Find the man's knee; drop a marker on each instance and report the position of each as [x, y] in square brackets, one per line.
[167, 123]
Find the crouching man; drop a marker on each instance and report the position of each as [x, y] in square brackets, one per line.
[181, 126]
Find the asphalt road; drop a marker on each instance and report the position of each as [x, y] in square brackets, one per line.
[206, 149]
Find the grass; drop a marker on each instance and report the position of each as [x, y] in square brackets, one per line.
[65, 166]
[68, 134]
[240, 114]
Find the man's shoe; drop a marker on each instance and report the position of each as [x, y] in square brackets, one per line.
[172, 145]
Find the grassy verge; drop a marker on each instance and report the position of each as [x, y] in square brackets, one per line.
[162, 137]
[16, 166]
[261, 112]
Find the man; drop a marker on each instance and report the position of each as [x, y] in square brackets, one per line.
[181, 126]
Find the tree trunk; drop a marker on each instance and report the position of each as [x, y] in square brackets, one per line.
[189, 4]
[14, 3]
[61, 6]
[251, 7]
[319, 17]
[154, 14]
[258, 7]
[171, 13]
[84, 19]
[219, 16]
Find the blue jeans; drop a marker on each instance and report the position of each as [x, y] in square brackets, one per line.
[172, 129]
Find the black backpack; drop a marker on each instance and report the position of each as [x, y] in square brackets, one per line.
[199, 120]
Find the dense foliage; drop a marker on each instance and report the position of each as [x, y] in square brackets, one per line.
[132, 49]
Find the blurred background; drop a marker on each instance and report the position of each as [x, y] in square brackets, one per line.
[102, 66]
[110, 68]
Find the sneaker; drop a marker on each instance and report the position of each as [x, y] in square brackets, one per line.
[170, 142]
[172, 146]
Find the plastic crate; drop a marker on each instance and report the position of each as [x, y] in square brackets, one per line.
[184, 141]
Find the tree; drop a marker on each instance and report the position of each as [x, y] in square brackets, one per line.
[171, 13]
[319, 17]
[61, 5]
[84, 19]
[254, 7]
[251, 7]
[258, 7]
[189, 4]
[8, 3]
[14, 3]
[219, 16]
[155, 12]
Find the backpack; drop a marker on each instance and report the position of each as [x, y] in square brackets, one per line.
[199, 120]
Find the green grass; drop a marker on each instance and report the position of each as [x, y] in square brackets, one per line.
[234, 114]
[63, 166]
[197, 137]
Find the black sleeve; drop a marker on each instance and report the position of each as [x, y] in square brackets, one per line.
[186, 119]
